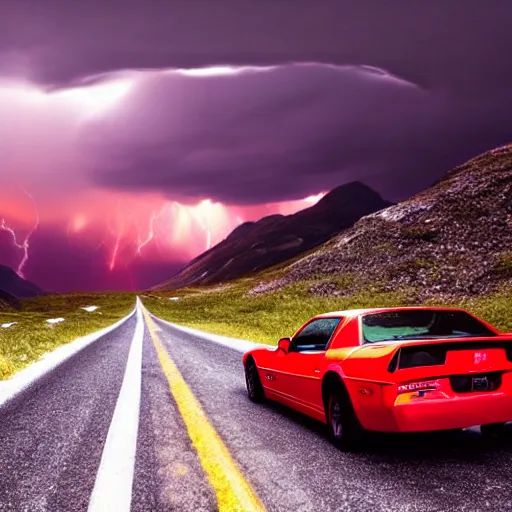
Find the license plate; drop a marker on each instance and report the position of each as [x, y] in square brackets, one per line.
[480, 384]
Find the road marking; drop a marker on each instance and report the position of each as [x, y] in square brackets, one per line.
[232, 490]
[22, 380]
[233, 343]
[113, 485]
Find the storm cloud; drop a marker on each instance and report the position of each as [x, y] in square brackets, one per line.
[286, 132]
[154, 128]
[393, 94]
[450, 43]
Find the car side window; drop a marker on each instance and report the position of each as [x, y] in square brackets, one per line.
[316, 335]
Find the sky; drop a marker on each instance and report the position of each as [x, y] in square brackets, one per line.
[134, 135]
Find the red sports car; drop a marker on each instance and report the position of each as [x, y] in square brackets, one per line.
[390, 370]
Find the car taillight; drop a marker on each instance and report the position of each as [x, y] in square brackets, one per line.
[425, 385]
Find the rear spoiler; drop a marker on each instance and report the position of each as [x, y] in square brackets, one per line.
[434, 354]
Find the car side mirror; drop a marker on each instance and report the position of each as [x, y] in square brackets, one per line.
[284, 344]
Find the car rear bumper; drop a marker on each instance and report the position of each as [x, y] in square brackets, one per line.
[445, 409]
[446, 413]
[382, 408]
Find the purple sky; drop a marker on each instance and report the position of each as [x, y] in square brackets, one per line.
[121, 157]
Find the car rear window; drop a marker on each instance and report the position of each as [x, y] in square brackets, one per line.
[421, 324]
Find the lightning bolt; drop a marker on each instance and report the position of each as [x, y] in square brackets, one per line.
[27, 238]
[114, 253]
[119, 232]
[25, 245]
[208, 237]
[10, 230]
[203, 217]
[151, 234]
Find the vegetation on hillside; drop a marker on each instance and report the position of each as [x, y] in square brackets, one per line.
[265, 318]
[31, 337]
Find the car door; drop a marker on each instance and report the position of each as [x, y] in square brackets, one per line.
[300, 369]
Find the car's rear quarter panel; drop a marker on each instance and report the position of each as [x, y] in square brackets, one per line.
[373, 389]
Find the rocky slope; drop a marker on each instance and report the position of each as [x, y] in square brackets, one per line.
[254, 246]
[13, 285]
[8, 302]
[453, 239]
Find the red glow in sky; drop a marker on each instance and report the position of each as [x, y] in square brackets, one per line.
[39, 154]
[129, 227]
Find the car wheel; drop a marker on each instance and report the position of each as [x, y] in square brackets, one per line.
[493, 430]
[346, 431]
[253, 382]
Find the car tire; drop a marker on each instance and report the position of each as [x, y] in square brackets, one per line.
[345, 429]
[252, 381]
[493, 430]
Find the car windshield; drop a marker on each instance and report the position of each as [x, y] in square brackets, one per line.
[421, 324]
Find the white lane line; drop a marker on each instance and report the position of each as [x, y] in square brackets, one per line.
[233, 343]
[113, 486]
[21, 380]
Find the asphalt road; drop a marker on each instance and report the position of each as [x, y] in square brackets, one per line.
[53, 436]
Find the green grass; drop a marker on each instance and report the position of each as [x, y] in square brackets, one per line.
[27, 341]
[386, 247]
[227, 311]
[419, 233]
[504, 265]
[266, 318]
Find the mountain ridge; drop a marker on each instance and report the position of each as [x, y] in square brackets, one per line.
[452, 239]
[256, 245]
[15, 287]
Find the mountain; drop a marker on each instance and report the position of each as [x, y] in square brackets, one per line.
[453, 239]
[14, 285]
[254, 246]
[8, 302]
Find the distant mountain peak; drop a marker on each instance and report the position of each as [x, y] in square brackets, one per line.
[352, 191]
[13, 284]
[254, 246]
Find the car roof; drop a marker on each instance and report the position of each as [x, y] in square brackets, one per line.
[358, 312]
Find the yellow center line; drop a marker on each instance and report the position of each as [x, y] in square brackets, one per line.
[233, 491]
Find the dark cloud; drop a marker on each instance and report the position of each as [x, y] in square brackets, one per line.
[251, 138]
[286, 133]
[451, 43]
[295, 130]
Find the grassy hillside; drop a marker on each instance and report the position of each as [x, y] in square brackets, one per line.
[267, 317]
[447, 245]
[31, 337]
